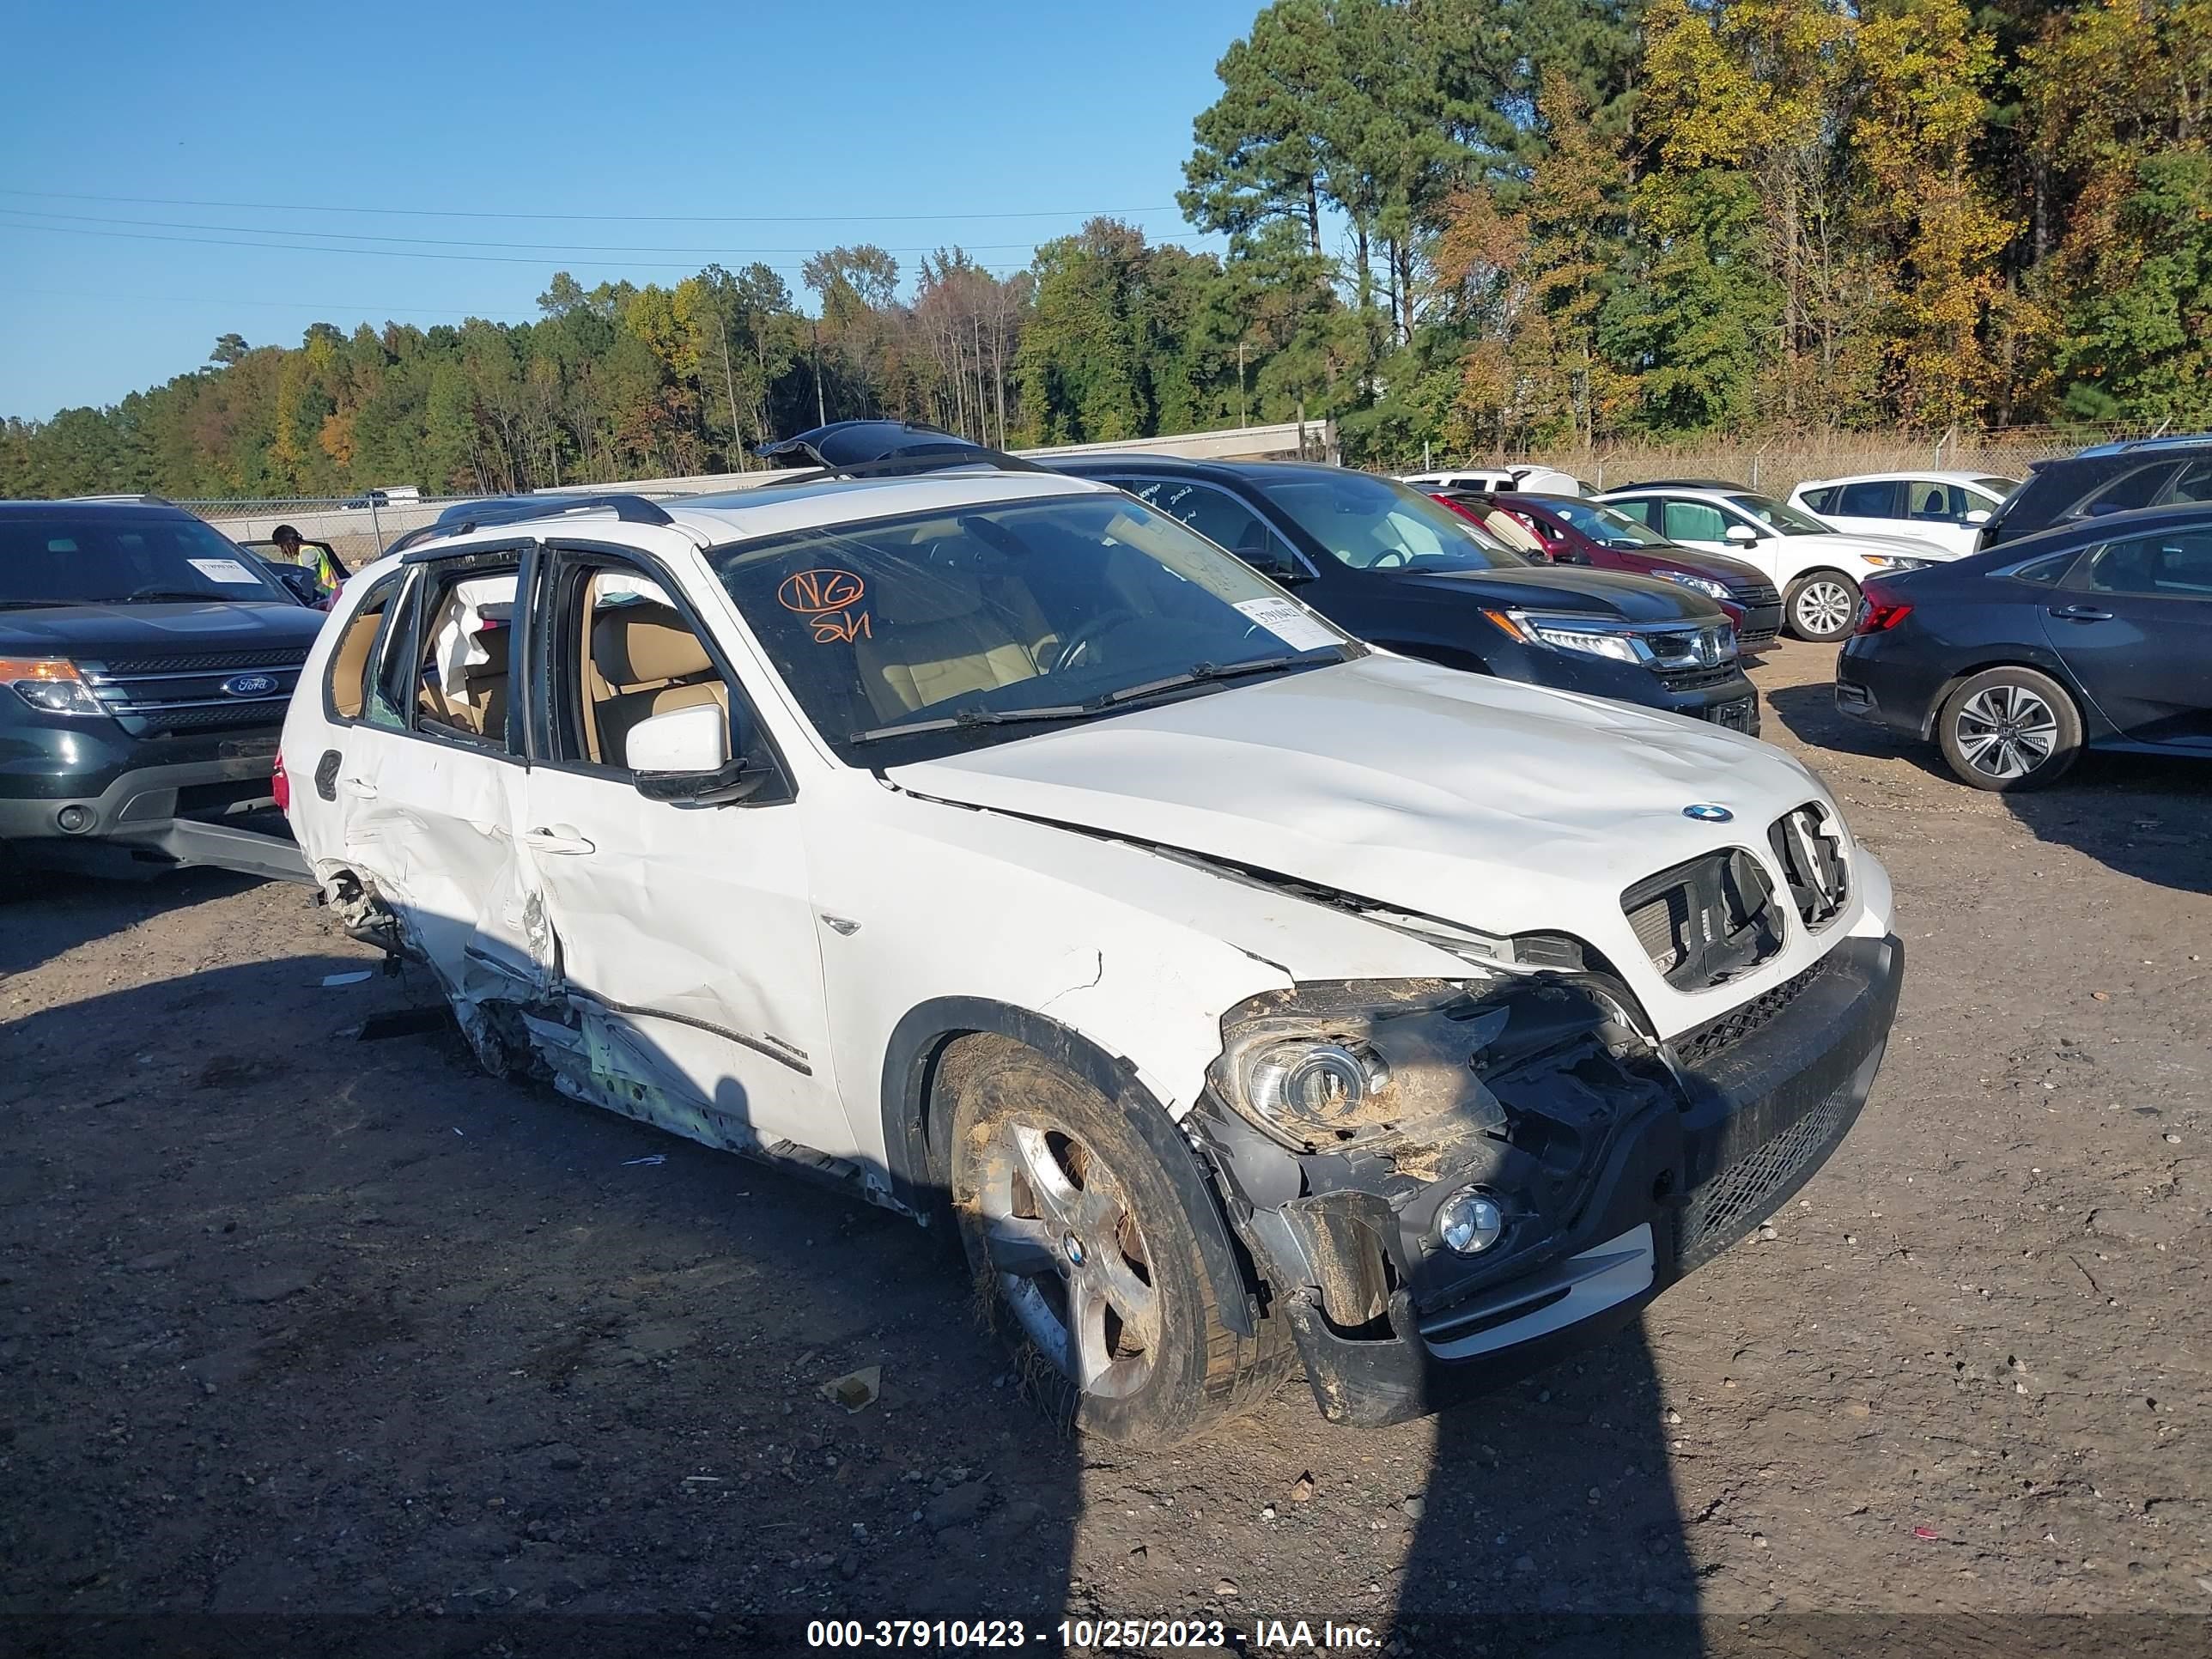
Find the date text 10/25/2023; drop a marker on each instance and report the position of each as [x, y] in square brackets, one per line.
[1085, 1635]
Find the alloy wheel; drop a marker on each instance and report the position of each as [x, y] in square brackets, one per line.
[2005, 731]
[1069, 1256]
[1823, 607]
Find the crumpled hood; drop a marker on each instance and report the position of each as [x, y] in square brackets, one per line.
[1497, 805]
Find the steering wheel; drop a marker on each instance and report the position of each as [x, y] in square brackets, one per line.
[1391, 560]
[1084, 637]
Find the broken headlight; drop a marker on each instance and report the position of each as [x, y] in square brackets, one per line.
[1336, 1065]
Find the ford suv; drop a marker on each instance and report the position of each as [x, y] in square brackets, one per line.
[145, 665]
[1237, 994]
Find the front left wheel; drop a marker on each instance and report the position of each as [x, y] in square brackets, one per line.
[1821, 606]
[1082, 1246]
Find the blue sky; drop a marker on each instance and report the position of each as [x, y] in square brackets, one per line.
[797, 127]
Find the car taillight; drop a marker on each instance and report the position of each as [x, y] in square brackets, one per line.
[280, 787]
[1878, 611]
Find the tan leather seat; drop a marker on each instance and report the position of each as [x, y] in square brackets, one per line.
[652, 663]
[933, 635]
[350, 669]
[487, 682]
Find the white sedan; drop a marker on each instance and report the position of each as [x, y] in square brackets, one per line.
[1947, 508]
[1818, 569]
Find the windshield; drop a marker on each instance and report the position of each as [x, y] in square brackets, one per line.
[1787, 519]
[1379, 524]
[910, 637]
[1606, 525]
[116, 558]
[1999, 488]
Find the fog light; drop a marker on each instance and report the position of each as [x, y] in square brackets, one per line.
[75, 819]
[1468, 1222]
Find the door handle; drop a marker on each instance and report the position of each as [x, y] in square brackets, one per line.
[561, 841]
[361, 786]
[2082, 613]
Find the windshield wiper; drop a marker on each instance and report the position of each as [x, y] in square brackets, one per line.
[42, 605]
[1066, 711]
[1205, 673]
[161, 595]
[1199, 674]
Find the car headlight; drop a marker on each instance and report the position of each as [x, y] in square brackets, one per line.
[1705, 584]
[1895, 562]
[1340, 1064]
[1614, 640]
[50, 684]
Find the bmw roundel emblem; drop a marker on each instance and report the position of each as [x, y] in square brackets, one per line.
[249, 685]
[1704, 812]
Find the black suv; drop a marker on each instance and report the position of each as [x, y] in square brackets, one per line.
[145, 666]
[2116, 477]
[1388, 563]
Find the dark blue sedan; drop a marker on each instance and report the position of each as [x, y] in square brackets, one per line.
[2097, 636]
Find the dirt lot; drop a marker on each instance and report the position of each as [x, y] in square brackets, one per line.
[293, 1322]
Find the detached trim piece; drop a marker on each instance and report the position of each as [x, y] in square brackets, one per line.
[782, 1053]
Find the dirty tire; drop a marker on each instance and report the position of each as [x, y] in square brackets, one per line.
[2009, 728]
[1152, 1363]
[1822, 605]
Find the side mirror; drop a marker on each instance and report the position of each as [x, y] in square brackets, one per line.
[1741, 534]
[1276, 560]
[1980, 515]
[300, 582]
[683, 756]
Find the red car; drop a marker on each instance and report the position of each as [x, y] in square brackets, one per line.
[1577, 532]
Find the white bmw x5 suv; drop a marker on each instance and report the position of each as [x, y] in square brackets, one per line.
[1237, 994]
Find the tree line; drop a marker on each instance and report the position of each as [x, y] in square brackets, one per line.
[1480, 225]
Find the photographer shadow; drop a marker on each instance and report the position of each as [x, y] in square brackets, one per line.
[1550, 1523]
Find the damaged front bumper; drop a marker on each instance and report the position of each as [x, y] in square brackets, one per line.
[1743, 1111]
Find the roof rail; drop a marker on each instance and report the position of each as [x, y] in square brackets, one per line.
[464, 516]
[2128, 446]
[140, 499]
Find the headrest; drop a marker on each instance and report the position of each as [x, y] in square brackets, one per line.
[927, 594]
[638, 644]
[1510, 531]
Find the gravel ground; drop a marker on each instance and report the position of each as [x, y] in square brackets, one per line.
[294, 1323]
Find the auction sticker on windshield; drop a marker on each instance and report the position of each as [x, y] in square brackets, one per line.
[1294, 627]
[225, 570]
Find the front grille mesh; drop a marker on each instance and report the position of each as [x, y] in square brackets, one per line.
[225, 662]
[153, 695]
[1696, 679]
[1740, 1197]
[1706, 1043]
[268, 711]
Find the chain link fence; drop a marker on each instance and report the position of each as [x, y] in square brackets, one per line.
[357, 527]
